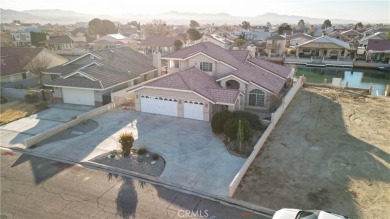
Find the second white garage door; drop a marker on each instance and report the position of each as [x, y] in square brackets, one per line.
[78, 96]
[193, 110]
[159, 105]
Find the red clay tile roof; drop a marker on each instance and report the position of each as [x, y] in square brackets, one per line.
[378, 45]
[260, 77]
[209, 49]
[258, 73]
[280, 70]
[241, 55]
[159, 41]
[199, 82]
[14, 59]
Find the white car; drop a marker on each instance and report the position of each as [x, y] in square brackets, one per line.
[289, 213]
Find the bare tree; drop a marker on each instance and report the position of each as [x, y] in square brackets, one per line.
[156, 28]
[37, 65]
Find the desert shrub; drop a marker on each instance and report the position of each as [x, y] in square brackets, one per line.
[218, 121]
[3, 100]
[141, 150]
[252, 118]
[155, 157]
[42, 105]
[31, 98]
[126, 140]
[231, 126]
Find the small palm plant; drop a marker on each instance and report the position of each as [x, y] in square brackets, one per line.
[126, 140]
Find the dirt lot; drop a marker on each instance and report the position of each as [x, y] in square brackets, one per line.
[330, 151]
[15, 110]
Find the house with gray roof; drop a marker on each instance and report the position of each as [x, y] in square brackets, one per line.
[324, 46]
[91, 78]
[205, 78]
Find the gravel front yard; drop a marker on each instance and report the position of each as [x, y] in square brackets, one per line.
[137, 163]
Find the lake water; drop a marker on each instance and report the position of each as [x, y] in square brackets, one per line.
[358, 78]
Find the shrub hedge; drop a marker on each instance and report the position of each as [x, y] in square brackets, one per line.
[231, 126]
[218, 121]
[253, 119]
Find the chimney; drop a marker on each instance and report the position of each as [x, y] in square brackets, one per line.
[157, 62]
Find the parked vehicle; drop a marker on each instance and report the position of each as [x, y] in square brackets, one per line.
[289, 213]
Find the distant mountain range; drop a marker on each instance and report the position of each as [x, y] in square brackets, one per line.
[174, 17]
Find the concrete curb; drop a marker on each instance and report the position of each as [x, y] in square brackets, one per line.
[239, 204]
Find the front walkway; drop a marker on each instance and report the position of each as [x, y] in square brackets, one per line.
[195, 158]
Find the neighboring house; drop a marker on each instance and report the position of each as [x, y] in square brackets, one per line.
[205, 78]
[158, 44]
[15, 59]
[111, 41]
[376, 36]
[21, 39]
[61, 43]
[218, 40]
[351, 34]
[257, 36]
[129, 30]
[276, 45]
[378, 50]
[324, 46]
[296, 39]
[5, 39]
[79, 32]
[91, 78]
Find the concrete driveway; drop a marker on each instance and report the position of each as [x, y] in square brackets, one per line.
[13, 134]
[195, 158]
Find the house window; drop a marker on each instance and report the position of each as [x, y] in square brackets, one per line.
[206, 66]
[256, 97]
[24, 75]
[174, 63]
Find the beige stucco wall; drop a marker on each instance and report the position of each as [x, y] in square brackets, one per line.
[180, 96]
[268, 98]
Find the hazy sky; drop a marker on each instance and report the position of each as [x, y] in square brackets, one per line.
[347, 9]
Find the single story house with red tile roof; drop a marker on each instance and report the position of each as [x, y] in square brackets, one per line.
[15, 59]
[205, 78]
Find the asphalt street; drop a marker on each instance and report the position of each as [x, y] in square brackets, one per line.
[33, 187]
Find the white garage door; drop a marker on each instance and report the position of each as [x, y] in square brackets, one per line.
[193, 110]
[77, 96]
[159, 105]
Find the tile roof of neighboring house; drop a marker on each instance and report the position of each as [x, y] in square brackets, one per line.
[115, 66]
[241, 55]
[14, 59]
[219, 38]
[280, 70]
[195, 80]
[295, 35]
[65, 69]
[377, 35]
[159, 41]
[351, 31]
[327, 39]
[276, 37]
[110, 39]
[378, 45]
[60, 39]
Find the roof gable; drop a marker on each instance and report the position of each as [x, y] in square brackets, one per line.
[198, 82]
[15, 59]
[327, 39]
